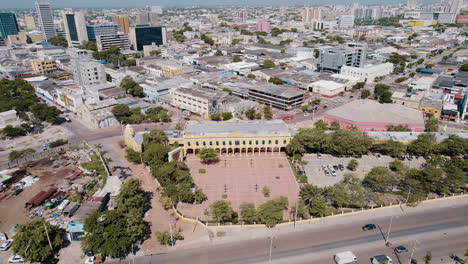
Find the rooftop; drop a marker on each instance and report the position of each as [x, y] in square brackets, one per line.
[374, 112]
[286, 91]
[255, 127]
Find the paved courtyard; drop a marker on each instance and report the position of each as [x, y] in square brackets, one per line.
[240, 178]
[316, 175]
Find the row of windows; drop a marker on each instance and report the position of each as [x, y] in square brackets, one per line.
[236, 142]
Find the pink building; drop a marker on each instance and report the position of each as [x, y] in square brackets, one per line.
[368, 115]
[263, 26]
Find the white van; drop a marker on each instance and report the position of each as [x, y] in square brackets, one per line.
[345, 257]
[382, 259]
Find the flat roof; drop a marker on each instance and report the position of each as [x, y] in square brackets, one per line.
[284, 90]
[254, 127]
[374, 112]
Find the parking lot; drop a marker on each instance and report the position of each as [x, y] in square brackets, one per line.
[316, 174]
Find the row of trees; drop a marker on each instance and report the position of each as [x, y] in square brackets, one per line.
[127, 115]
[114, 233]
[269, 213]
[350, 142]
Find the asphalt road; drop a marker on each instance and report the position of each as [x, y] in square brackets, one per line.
[443, 231]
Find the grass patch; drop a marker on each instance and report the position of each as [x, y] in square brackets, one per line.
[277, 177]
[220, 233]
[201, 171]
[224, 196]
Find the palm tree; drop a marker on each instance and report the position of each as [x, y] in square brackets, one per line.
[309, 193]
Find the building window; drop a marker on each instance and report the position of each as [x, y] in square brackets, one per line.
[217, 143]
[211, 143]
[250, 142]
[196, 143]
[276, 142]
[237, 142]
[204, 143]
[263, 142]
[224, 143]
[188, 143]
[269, 141]
[230, 143]
[243, 142]
[284, 142]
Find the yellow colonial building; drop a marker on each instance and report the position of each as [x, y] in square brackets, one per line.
[226, 137]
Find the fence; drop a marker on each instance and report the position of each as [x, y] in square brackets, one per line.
[39, 155]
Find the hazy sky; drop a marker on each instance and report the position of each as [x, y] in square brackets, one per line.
[141, 3]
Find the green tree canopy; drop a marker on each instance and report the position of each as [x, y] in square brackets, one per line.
[423, 145]
[271, 212]
[131, 87]
[222, 211]
[227, 116]
[218, 53]
[380, 179]
[58, 41]
[250, 114]
[31, 240]
[208, 155]
[88, 45]
[236, 58]
[431, 125]
[248, 213]
[454, 145]
[268, 64]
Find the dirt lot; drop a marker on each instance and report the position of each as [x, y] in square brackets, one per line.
[316, 175]
[241, 178]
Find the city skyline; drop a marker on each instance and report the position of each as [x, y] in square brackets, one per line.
[169, 3]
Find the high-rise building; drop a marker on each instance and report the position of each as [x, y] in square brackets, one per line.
[45, 20]
[146, 18]
[88, 73]
[156, 9]
[75, 28]
[147, 35]
[346, 21]
[411, 4]
[351, 54]
[124, 23]
[456, 6]
[104, 42]
[263, 26]
[30, 23]
[8, 25]
[311, 15]
[99, 30]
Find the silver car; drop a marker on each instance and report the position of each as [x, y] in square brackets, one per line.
[6, 245]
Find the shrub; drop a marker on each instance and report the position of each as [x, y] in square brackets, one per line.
[201, 171]
[57, 143]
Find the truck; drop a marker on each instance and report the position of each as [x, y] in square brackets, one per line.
[381, 259]
[345, 257]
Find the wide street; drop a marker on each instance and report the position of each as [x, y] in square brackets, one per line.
[439, 227]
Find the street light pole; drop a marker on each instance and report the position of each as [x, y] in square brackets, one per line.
[271, 248]
[389, 229]
[412, 251]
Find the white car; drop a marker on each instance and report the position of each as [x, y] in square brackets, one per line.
[16, 259]
[6, 245]
[89, 260]
[306, 114]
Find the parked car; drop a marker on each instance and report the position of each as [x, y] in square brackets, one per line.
[346, 257]
[327, 173]
[341, 167]
[369, 227]
[333, 172]
[381, 259]
[378, 156]
[319, 156]
[6, 245]
[401, 249]
[335, 167]
[306, 114]
[16, 259]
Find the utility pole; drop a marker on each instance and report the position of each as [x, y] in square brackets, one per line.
[48, 238]
[271, 245]
[170, 230]
[295, 214]
[412, 251]
[388, 233]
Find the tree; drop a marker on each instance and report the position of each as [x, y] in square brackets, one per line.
[266, 191]
[268, 64]
[133, 156]
[275, 80]
[58, 143]
[121, 110]
[335, 125]
[464, 67]
[250, 114]
[227, 116]
[423, 145]
[17, 154]
[382, 92]
[88, 45]
[271, 212]
[359, 85]
[248, 213]
[236, 58]
[222, 211]
[316, 53]
[129, 63]
[199, 196]
[294, 147]
[390, 147]
[308, 193]
[380, 179]
[29, 40]
[32, 243]
[58, 41]
[218, 53]
[131, 87]
[208, 155]
[166, 238]
[251, 76]
[267, 112]
[215, 117]
[321, 125]
[156, 136]
[353, 164]
[428, 257]
[453, 146]
[11, 131]
[349, 142]
[365, 94]
[155, 52]
[431, 125]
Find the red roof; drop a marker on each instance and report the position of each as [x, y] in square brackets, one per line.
[41, 197]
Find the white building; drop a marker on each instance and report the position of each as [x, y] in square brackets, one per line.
[423, 83]
[88, 72]
[241, 67]
[346, 21]
[327, 88]
[104, 42]
[368, 72]
[9, 118]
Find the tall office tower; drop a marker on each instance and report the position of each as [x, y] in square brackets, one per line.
[147, 35]
[351, 54]
[75, 28]
[124, 23]
[456, 6]
[305, 15]
[8, 25]
[156, 9]
[411, 4]
[311, 15]
[30, 23]
[45, 20]
[145, 18]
